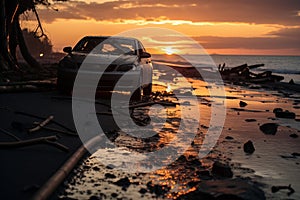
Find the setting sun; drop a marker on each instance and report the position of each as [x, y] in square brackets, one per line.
[169, 50]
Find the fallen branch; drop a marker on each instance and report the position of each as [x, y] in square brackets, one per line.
[10, 134]
[51, 140]
[41, 125]
[277, 188]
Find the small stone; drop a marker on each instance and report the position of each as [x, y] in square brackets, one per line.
[250, 120]
[275, 110]
[222, 170]
[142, 191]
[249, 147]
[229, 138]
[114, 195]
[96, 168]
[269, 128]
[286, 114]
[296, 154]
[109, 175]
[294, 135]
[123, 182]
[243, 104]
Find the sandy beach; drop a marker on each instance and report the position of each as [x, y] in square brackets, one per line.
[226, 172]
[274, 162]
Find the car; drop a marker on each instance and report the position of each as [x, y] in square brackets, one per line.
[114, 56]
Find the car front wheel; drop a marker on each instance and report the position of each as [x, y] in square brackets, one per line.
[147, 90]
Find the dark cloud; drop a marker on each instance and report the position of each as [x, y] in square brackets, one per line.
[254, 11]
[282, 39]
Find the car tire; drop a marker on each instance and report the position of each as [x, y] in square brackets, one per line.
[63, 88]
[136, 95]
[147, 90]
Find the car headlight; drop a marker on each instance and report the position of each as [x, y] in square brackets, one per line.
[125, 68]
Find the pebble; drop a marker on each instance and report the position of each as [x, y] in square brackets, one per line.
[269, 128]
[249, 147]
[294, 135]
[222, 170]
[243, 104]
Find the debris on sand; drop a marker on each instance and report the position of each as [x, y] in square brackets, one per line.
[221, 169]
[123, 182]
[249, 147]
[226, 189]
[243, 104]
[277, 188]
[279, 113]
[250, 120]
[294, 135]
[269, 128]
[229, 138]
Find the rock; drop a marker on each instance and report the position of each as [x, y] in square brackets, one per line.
[229, 138]
[292, 82]
[294, 135]
[249, 147]
[123, 182]
[269, 128]
[157, 189]
[142, 191]
[109, 175]
[275, 110]
[222, 170]
[296, 154]
[234, 189]
[286, 114]
[250, 120]
[243, 104]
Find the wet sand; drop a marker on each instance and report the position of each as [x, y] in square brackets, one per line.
[275, 161]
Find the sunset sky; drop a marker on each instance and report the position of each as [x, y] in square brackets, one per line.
[221, 26]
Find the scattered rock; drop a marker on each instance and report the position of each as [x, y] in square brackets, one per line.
[243, 104]
[142, 191]
[296, 154]
[294, 135]
[229, 138]
[159, 190]
[235, 189]
[249, 147]
[286, 114]
[222, 170]
[109, 175]
[292, 82]
[123, 182]
[269, 128]
[275, 110]
[250, 120]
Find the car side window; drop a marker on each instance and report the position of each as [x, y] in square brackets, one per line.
[141, 48]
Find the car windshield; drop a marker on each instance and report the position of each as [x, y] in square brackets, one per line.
[115, 46]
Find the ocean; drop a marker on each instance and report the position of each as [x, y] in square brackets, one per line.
[286, 66]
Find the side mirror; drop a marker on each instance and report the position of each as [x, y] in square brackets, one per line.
[145, 55]
[67, 49]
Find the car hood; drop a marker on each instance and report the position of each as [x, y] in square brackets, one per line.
[103, 59]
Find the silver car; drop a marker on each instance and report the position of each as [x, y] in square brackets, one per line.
[114, 57]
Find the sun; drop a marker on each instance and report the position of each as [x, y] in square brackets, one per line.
[169, 50]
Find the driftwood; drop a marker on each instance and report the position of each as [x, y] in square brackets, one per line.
[41, 125]
[57, 130]
[51, 140]
[10, 134]
[277, 188]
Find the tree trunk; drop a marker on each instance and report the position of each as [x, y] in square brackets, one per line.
[23, 48]
[3, 36]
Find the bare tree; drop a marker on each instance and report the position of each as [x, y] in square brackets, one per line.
[11, 34]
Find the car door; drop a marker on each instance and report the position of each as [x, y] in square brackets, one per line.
[146, 65]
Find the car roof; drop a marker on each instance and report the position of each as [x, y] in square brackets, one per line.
[106, 37]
